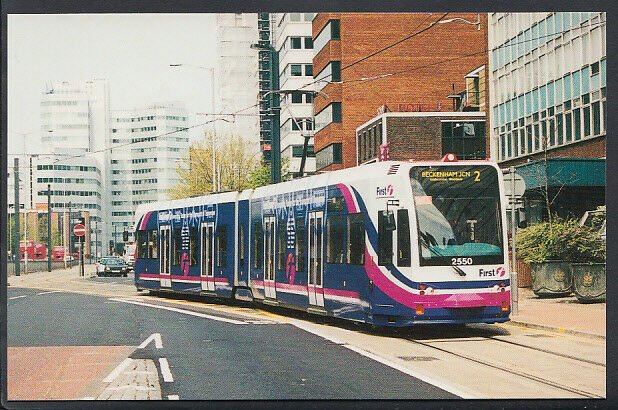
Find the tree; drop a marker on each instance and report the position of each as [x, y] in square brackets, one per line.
[238, 167]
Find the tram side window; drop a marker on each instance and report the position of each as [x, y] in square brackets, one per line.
[141, 244]
[241, 245]
[281, 237]
[221, 246]
[385, 240]
[403, 238]
[153, 244]
[334, 232]
[356, 239]
[193, 246]
[258, 245]
[177, 244]
[301, 244]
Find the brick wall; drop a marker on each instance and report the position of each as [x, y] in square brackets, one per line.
[365, 33]
[593, 148]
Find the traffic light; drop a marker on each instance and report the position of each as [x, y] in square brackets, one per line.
[125, 236]
[111, 246]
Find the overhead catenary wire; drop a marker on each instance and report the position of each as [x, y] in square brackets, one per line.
[362, 79]
[379, 76]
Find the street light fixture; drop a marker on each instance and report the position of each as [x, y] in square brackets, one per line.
[275, 150]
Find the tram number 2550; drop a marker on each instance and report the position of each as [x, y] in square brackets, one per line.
[461, 261]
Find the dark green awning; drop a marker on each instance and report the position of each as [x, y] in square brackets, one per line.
[559, 172]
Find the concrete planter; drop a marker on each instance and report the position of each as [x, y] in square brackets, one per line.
[589, 281]
[551, 278]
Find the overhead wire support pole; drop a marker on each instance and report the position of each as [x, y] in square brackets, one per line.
[49, 235]
[16, 250]
[514, 285]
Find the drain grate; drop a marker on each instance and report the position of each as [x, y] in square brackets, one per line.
[539, 335]
[418, 358]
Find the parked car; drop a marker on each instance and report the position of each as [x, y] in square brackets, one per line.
[111, 265]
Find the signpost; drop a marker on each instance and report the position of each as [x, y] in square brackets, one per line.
[515, 187]
[80, 230]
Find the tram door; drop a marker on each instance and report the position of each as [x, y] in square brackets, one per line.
[207, 247]
[165, 261]
[269, 258]
[316, 267]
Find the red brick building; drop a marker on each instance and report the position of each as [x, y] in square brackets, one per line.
[419, 72]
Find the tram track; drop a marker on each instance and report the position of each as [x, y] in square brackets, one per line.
[520, 373]
[538, 349]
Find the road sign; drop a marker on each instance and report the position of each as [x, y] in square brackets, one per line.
[520, 185]
[79, 230]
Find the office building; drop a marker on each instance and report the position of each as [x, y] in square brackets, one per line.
[548, 100]
[294, 43]
[148, 144]
[364, 61]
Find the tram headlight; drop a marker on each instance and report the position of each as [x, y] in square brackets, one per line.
[429, 290]
[496, 288]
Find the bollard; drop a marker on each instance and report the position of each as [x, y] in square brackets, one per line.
[514, 294]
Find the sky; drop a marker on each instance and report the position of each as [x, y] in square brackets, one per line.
[131, 51]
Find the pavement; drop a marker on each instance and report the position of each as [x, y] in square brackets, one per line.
[562, 314]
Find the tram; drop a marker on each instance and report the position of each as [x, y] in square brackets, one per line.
[390, 244]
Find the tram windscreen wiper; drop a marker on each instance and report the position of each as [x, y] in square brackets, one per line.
[459, 271]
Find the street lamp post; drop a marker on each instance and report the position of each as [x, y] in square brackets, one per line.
[275, 150]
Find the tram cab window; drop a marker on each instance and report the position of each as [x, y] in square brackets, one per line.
[141, 244]
[221, 246]
[193, 246]
[385, 238]
[258, 245]
[403, 238]
[356, 239]
[334, 234]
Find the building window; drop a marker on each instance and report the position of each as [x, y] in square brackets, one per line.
[297, 97]
[464, 139]
[309, 70]
[332, 113]
[329, 155]
[295, 43]
[331, 31]
[296, 70]
[330, 73]
[308, 43]
[295, 17]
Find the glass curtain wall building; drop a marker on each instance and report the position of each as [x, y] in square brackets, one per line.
[548, 83]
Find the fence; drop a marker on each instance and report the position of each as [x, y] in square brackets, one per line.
[38, 266]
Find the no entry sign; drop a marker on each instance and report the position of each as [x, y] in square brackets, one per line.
[79, 230]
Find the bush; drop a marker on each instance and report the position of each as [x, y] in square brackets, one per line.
[569, 242]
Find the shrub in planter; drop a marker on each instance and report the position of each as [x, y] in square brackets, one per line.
[551, 248]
